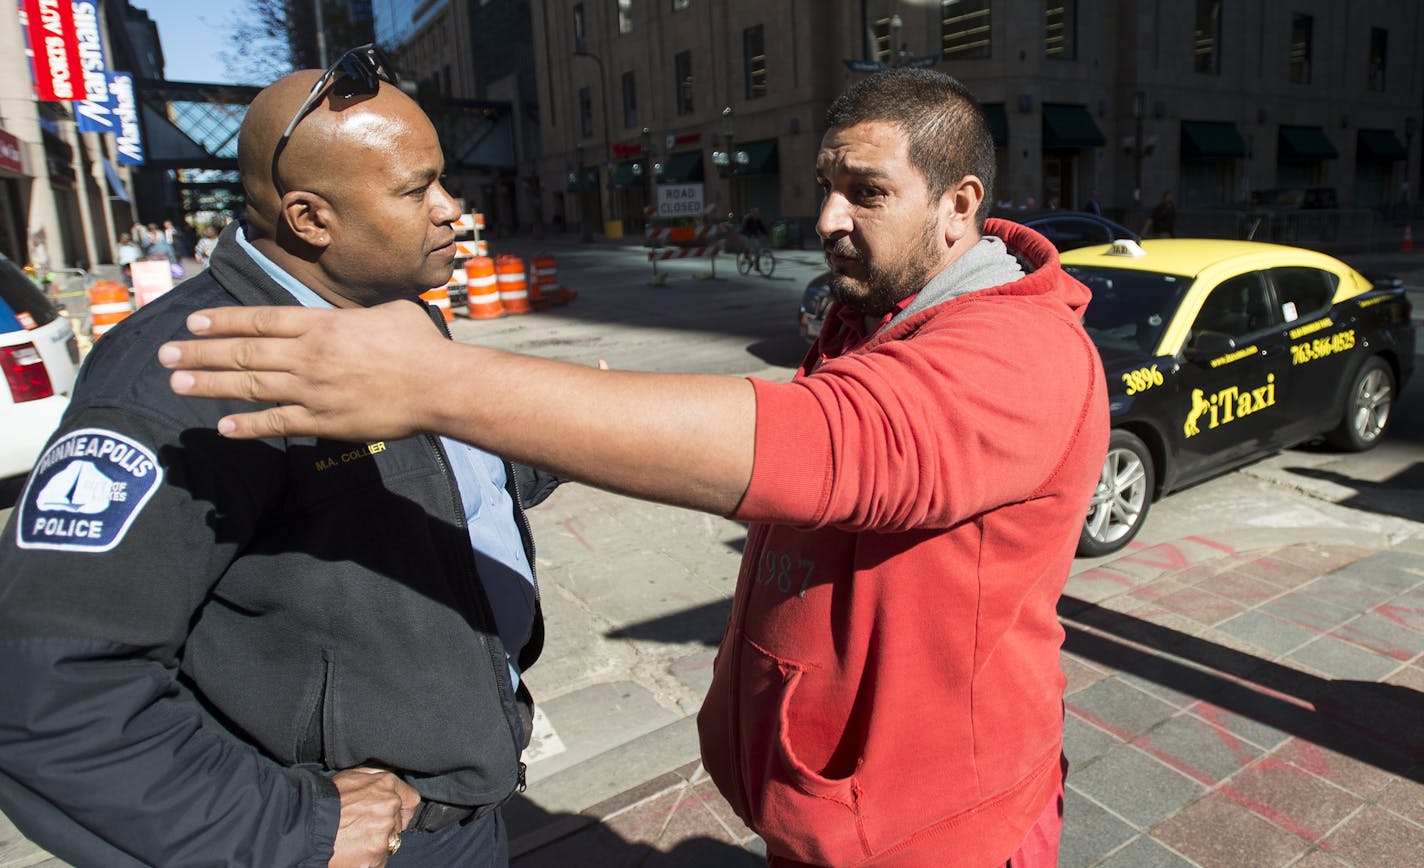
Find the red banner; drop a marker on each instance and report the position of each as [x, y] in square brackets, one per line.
[10, 154]
[59, 75]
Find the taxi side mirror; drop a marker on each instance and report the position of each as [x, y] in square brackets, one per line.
[1207, 345]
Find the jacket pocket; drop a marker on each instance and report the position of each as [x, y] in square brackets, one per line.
[313, 745]
[797, 809]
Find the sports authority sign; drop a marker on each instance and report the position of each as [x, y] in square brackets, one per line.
[10, 154]
[59, 68]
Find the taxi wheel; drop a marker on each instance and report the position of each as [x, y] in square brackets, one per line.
[1367, 408]
[1121, 499]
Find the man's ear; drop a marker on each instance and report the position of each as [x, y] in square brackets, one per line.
[309, 217]
[958, 207]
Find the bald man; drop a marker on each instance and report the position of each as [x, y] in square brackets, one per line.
[290, 651]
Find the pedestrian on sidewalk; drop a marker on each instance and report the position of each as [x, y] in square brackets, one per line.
[301, 651]
[888, 689]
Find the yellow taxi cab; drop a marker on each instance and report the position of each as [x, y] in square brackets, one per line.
[1219, 352]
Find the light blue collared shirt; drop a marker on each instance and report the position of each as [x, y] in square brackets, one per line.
[489, 511]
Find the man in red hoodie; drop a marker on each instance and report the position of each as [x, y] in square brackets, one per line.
[888, 690]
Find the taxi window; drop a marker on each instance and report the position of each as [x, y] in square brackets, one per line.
[1302, 291]
[1130, 308]
[20, 296]
[1237, 306]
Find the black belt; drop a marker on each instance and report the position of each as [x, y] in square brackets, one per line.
[434, 816]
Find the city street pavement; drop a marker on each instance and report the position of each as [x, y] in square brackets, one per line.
[1245, 682]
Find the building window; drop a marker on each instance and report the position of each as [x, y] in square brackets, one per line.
[580, 31]
[1300, 46]
[682, 82]
[585, 99]
[625, 16]
[630, 100]
[679, 5]
[754, 50]
[1060, 29]
[1206, 38]
[1379, 55]
[964, 28]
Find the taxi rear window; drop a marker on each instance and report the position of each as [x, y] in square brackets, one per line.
[20, 299]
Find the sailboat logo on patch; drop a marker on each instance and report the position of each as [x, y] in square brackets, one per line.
[85, 492]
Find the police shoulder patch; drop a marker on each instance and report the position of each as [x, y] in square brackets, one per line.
[85, 492]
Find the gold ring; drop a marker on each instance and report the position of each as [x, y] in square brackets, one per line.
[393, 843]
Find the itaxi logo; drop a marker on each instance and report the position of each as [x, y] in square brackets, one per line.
[85, 492]
[1227, 405]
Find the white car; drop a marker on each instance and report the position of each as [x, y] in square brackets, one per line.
[39, 357]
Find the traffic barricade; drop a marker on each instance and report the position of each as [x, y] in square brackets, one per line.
[708, 250]
[513, 287]
[440, 297]
[109, 304]
[482, 290]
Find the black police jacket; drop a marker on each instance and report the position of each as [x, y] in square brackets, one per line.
[195, 632]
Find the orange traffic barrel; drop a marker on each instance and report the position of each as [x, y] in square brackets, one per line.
[544, 289]
[482, 289]
[513, 289]
[440, 297]
[109, 303]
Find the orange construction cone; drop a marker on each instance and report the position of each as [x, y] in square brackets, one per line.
[483, 294]
[546, 276]
[513, 288]
[1408, 244]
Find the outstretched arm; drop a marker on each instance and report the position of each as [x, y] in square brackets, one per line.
[367, 374]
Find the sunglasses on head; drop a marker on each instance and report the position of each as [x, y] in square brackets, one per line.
[359, 71]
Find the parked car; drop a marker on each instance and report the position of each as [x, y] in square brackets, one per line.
[1220, 352]
[1069, 230]
[815, 298]
[39, 356]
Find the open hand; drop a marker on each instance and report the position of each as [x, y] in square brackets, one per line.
[348, 374]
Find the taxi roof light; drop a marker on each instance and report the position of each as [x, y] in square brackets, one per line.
[1126, 247]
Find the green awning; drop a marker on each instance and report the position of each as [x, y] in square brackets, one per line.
[684, 168]
[626, 175]
[1380, 146]
[1212, 140]
[1069, 128]
[998, 123]
[1305, 144]
[757, 158]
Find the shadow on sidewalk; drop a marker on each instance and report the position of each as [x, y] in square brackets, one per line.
[629, 838]
[1378, 724]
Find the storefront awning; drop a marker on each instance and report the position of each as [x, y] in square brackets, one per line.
[116, 184]
[998, 123]
[1069, 128]
[1212, 140]
[1380, 146]
[760, 159]
[626, 175]
[684, 168]
[1305, 144]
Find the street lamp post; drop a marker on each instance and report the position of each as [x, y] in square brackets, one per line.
[607, 127]
[1139, 101]
[728, 164]
[651, 169]
[896, 55]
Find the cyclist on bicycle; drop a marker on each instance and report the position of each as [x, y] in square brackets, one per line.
[755, 231]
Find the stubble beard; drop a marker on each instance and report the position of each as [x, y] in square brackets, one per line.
[884, 286]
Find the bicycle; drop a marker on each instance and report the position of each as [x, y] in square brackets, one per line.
[761, 258]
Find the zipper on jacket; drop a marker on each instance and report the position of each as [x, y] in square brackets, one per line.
[501, 666]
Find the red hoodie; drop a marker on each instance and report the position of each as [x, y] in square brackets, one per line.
[888, 691]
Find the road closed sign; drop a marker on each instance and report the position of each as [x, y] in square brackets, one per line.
[679, 200]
